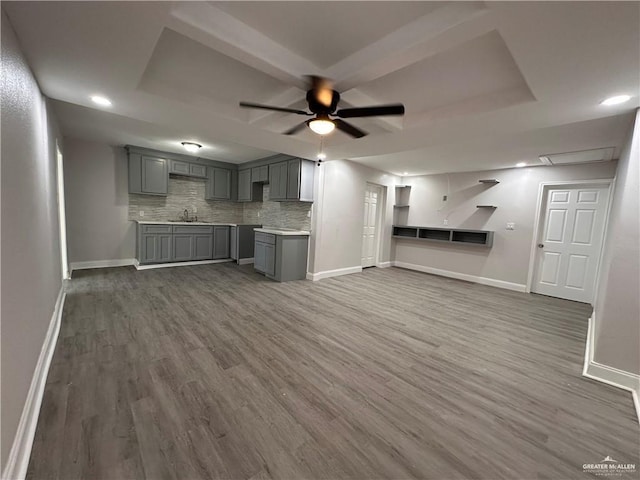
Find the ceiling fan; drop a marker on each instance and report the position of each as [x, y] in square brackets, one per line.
[323, 101]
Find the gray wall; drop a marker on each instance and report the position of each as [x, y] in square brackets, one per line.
[336, 240]
[97, 201]
[515, 196]
[617, 304]
[31, 268]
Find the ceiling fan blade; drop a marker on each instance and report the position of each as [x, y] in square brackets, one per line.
[276, 109]
[375, 111]
[348, 128]
[323, 89]
[296, 129]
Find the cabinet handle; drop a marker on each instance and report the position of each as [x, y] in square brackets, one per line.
[541, 245]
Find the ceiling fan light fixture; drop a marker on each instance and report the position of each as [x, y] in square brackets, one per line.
[322, 126]
[191, 147]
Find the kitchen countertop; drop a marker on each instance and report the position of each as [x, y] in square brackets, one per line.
[153, 222]
[281, 231]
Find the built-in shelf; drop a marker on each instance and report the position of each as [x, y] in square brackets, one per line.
[403, 186]
[489, 180]
[482, 238]
[486, 206]
[400, 206]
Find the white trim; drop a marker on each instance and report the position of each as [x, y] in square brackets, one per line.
[245, 261]
[178, 264]
[18, 461]
[537, 226]
[123, 262]
[383, 264]
[333, 273]
[517, 287]
[606, 374]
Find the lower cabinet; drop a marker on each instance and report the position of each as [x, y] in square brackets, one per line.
[281, 257]
[181, 243]
[220, 242]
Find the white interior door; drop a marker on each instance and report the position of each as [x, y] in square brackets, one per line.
[372, 201]
[570, 242]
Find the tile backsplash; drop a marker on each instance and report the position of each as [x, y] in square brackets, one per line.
[188, 193]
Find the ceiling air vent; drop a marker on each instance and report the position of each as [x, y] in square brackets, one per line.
[582, 156]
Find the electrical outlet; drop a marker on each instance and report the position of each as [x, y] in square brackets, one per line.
[309, 214]
[258, 214]
[141, 213]
[445, 222]
[511, 226]
[195, 209]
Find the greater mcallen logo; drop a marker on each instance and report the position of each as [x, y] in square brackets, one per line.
[609, 467]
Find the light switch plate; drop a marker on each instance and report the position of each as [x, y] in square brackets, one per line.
[511, 226]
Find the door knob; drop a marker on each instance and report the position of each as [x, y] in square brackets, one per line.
[541, 245]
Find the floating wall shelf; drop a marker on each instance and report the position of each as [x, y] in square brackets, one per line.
[486, 206]
[489, 181]
[400, 206]
[480, 238]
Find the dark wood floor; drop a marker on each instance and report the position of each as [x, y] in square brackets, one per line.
[214, 372]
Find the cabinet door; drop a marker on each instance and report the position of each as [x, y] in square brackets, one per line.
[220, 242]
[260, 174]
[260, 256]
[155, 248]
[182, 247]
[196, 170]
[233, 243]
[155, 175]
[278, 181]
[164, 247]
[220, 184]
[244, 185]
[270, 259]
[293, 179]
[179, 168]
[203, 247]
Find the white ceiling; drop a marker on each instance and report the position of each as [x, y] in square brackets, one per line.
[485, 85]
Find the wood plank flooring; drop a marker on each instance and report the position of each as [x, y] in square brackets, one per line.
[213, 372]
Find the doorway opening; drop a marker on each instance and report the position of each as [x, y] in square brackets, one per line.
[62, 221]
[373, 208]
[570, 227]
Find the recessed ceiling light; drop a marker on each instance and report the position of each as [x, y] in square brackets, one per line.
[618, 99]
[521, 164]
[100, 100]
[191, 147]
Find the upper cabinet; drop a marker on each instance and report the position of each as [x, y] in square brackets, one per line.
[148, 175]
[218, 184]
[291, 180]
[260, 174]
[188, 169]
[244, 185]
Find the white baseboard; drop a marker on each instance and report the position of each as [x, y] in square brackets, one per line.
[606, 374]
[333, 273]
[383, 264]
[178, 264]
[245, 261]
[18, 461]
[492, 282]
[123, 262]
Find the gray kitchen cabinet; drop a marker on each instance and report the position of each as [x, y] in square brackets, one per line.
[300, 180]
[218, 184]
[148, 175]
[244, 185]
[278, 174]
[155, 243]
[260, 174]
[188, 169]
[182, 247]
[281, 257]
[197, 170]
[179, 168]
[220, 242]
[202, 247]
[291, 180]
[233, 242]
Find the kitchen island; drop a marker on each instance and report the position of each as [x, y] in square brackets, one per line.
[281, 254]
